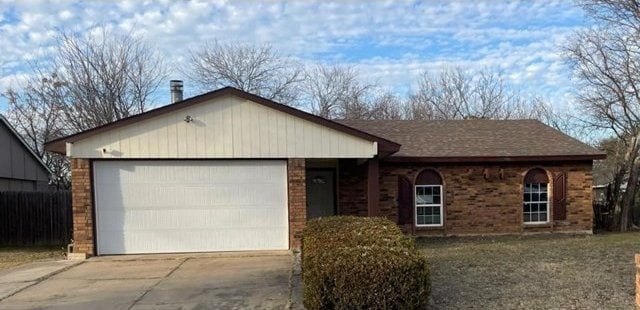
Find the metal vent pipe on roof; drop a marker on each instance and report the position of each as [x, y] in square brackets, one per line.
[176, 90]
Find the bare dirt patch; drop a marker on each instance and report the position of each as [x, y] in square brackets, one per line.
[533, 272]
[15, 256]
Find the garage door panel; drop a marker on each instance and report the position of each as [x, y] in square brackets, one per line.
[194, 240]
[158, 195]
[190, 206]
[145, 219]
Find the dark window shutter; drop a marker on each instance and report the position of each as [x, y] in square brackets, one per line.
[405, 200]
[560, 196]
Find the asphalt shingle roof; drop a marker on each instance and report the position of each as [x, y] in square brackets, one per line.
[474, 138]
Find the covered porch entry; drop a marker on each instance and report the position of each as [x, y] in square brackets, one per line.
[342, 187]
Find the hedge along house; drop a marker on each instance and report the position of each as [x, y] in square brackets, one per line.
[231, 171]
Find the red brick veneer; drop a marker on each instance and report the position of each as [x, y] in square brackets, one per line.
[82, 206]
[296, 178]
[479, 199]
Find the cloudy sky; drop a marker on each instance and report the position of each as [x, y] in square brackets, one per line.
[390, 42]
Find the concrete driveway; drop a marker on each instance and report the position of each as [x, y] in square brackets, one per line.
[160, 282]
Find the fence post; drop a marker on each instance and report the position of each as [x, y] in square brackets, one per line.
[637, 281]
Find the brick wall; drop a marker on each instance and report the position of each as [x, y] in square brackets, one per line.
[637, 281]
[296, 178]
[82, 206]
[579, 198]
[352, 189]
[475, 204]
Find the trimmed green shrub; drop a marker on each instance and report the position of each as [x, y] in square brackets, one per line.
[362, 263]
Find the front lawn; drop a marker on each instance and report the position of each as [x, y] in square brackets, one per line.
[15, 256]
[533, 272]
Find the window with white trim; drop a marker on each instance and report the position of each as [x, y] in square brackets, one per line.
[428, 205]
[536, 197]
[428, 193]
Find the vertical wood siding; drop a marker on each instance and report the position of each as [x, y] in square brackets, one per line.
[227, 127]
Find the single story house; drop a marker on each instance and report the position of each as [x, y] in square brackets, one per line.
[21, 169]
[231, 171]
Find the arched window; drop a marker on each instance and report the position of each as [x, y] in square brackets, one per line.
[428, 199]
[536, 198]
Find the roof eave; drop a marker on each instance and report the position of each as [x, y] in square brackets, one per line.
[494, 159]
[58, 147]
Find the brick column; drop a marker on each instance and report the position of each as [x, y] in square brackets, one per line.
[637, 281]
[373, 187]
[297, 192]
[82, 206]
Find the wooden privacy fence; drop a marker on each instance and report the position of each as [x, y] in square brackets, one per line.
[35, 218]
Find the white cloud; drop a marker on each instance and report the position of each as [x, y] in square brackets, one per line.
[391, 42]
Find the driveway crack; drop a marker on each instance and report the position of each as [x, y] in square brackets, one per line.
[156, 284]
[40, 279]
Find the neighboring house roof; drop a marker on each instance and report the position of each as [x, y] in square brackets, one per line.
[385, 146]
[476, 140]
[24, 143]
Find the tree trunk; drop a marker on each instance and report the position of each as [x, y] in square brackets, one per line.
[616, 197]
[629, 198]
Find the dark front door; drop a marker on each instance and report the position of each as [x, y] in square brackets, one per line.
[321, 193]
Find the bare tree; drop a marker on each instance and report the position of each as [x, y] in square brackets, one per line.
[387, 106]
[442, 96]
[90, 81]
[106, 76]
[612, 170]
[37, 114]
[459, 94]
[615, 13]
[607, 66]
[256, 69]
[335, 91]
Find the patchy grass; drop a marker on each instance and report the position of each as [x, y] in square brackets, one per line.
[533, 272]
[15, 256]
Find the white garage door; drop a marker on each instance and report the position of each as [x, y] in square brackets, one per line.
[190, 206]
